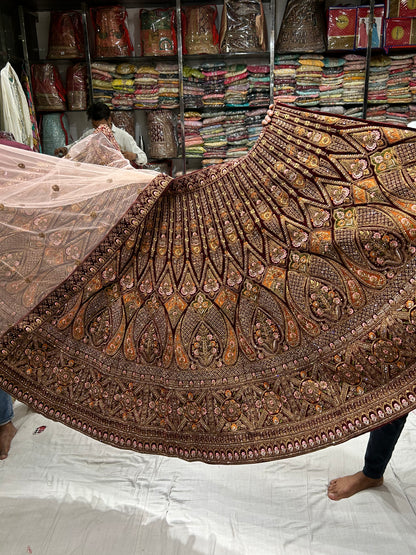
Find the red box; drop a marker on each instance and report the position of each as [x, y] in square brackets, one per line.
[363, 14]
[400, 32]
[402, 8]
[341, 28]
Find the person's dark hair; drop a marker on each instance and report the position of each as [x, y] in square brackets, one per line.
[98, 111]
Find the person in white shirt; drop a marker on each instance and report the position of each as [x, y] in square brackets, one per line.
[99, 113]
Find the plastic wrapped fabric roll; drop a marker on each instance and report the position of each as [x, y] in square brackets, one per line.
[303, 27]
[200, 32]
[157, 32]
[66, 35]
[162, 142]
[48, 90]
[125, 120]
[76, 84]
[112, 37]
[243, 26]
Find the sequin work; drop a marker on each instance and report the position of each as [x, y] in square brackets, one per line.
[260, 309]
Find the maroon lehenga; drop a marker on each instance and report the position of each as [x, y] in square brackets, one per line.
[251, 311]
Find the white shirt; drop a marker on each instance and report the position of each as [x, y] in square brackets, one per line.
[125, 142]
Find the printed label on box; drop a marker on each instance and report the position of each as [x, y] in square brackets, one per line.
[402, 8]
[363, 30]
[400, 32]
[341, 28]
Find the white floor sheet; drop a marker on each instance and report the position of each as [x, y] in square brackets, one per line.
[62, 493]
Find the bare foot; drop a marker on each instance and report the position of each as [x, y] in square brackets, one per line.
[340, 488]
[7, 433]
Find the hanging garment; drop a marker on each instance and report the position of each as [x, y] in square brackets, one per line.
[55, 132]
[32, 113]
[250, 311]
[14, 110]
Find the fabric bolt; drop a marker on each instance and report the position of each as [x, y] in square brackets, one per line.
[162, 144]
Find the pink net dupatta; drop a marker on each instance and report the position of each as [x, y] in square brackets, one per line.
[255, 310]
[53, 213]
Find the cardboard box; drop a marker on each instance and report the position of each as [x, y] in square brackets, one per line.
[341, 28]
[363, 14]
[402, 8]
[400, 32]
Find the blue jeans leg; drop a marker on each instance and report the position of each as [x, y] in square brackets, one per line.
[6, 408]
[380, 447]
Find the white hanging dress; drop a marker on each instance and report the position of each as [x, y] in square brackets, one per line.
[14, 110]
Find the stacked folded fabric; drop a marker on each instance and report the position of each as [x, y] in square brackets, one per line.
[102, 77]
[123, 86]
[236, 133]
[285, 77]
[168, 83]
[215, 139]
[354, 112]
[253, 121]
[398, 84]
[236, 85]
[213, 133]
[377, 113]
[308, 79]
[377, 80]
[330, 89]
[412, 112]
[146, 87]
[123, 100]
[412, 84]
[354, 79]
[193, 88]
[399, 115]
[193, 141]
[259, 85]
[214, 86]
[336, 109]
